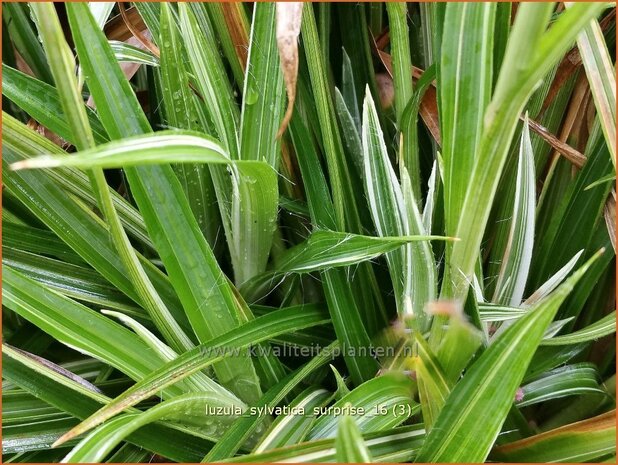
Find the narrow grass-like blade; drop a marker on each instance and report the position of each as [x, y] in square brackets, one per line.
[37, 241]
[412, 267]
[459, 343]
[518, 253]
[100, 442]
[577, 206]
[74, 281]
[42, 102]
[26, 42]
[342, 306]
[248, 206]
[602, 77]
[27, 143]
[211, 81]
[180, 112]
[409, 157]
[571, 380]
[263, 92]
[240, 432]
[400, 51]
[349, 443]
[78, 326]
[433, 387]
[230, 23]
[529, 43]
[131, 54]
[324, 250]
[149, 149]
[62, 64]
[156, 189]
[396, 445]
[72, 397]
[77, 226]
[253, 332]
[385, 402]
[350, 132]
[603, 327]
[345, 199]
[478, 405]
[578, 442]
[465, 87]
[288, 430]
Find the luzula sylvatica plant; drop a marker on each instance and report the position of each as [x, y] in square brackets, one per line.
[322, 232]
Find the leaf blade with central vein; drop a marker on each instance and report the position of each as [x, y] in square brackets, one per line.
[394, 213]
[253, 332]
[602, 77]
[518, 252]
[324, 250]
[468, 425]
[70, 396]
[189, 261]
[465, 86]
[180, 112]
[515, 84]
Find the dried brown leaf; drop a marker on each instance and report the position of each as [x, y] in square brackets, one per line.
[288, 17]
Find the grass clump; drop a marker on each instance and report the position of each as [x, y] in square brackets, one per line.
[308, 232]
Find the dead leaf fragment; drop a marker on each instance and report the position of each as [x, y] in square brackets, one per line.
[288, 18]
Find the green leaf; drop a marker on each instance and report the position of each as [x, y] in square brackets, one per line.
[350, 133]
[476, 408]
[349, 443]
[324, 250]
[26, 42]
[226, 17]
[263, 92]
[347, 214]
[380, 404]
[84, 232]
[248, 204]
[81, 328]
[400, 51]
[433, 387]
[167, 214]
[539, 50]
[570, 380]
[291, 429]
[72, 397]
[459, 343]
[342, 306]
[37, 241]
[258, 330]
[25, 143]
[518, 252]
[181, 112]
[410, 156]
[148, 149]
[241, 431]
[394, 212]
[602, 77]
[130, 54]
[211, 81]
[577, 206]
[43, 103]
[396, 445]
[74, 281]
[465, 88]
[578, 442]
[603, 327]
[62, 64]
[100, 442]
